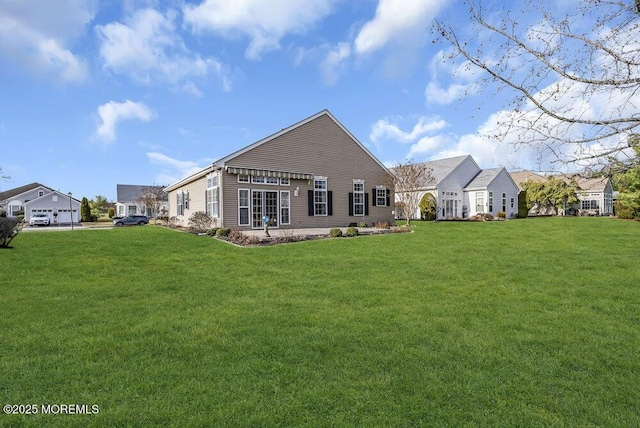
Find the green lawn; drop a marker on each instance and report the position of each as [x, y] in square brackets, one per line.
[528, 322]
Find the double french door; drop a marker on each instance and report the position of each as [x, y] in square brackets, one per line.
[264, 203]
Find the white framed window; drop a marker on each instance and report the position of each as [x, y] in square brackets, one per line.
[213, 202]
[285, 211]
[14, 210]
[490, 201]
[40, 193]
[381, 196]
[504, 202]
[480, 202]
[589, 204]
[284, 182]
[512, 202]
[180, 203]
[272, 181]
[212, 196]
[186, 200]
[243, 207]
[320, 198]
[358, 198]
[243, 178]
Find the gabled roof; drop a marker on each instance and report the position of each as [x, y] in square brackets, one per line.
[64, 196]
[598, 184]
[442, 168]
[220, 163]
[131, 192]
[223, 162]
[520, 177]
[20, 190]
[204, 171]
[483, 179]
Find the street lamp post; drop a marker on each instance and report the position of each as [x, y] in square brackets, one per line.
[70, 211]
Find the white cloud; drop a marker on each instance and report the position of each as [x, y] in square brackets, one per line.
[437, 95]
[147, 48]
[265, 23]
[173, 169]
[383, 129]
[427, 145]
[113, 112]
[35, 35]
[397, 21]
[461, 78]
[333, 63]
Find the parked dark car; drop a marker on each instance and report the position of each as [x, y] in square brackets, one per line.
[140, 220]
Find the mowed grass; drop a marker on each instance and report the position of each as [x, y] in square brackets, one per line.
[528, 323]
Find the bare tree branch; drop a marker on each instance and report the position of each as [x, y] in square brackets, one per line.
[574, 78]
[409, 181]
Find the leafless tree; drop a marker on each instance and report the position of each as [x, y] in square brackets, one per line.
[152, 198]
[409, 180]
[574, 77]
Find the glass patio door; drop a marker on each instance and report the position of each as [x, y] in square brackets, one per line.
[264, 202]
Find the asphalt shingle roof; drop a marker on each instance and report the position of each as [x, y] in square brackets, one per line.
[19, 190]
[131, 192]
[483, 179]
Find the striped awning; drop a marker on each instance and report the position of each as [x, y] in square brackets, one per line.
[268, 173]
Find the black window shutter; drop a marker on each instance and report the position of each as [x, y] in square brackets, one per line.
[366, 204]
[388, 197]
[329, 202]
[350, 203]
[311, 204]
[374, 202]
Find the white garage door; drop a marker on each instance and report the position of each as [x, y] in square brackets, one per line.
[63, 216]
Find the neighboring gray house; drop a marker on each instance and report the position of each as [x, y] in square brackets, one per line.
[129, 200]
[314, 173]
[462, 189]
[596, 196]
[37, 198]
[520, 178]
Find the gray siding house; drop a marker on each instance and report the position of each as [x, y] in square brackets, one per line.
[36, 198]
[314, 173]
[129, 200]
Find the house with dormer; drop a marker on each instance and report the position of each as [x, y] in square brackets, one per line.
[36, 198]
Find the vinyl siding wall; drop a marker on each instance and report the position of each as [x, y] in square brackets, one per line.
[196, 189]
[319, 147]
[502, 183]
[455, 183]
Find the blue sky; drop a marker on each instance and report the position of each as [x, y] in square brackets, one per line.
[95, 93]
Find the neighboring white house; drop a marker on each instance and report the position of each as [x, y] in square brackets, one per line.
[37, 198]
[462, 189]
[129, 196]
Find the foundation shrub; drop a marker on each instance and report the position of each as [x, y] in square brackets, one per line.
[351, 231]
